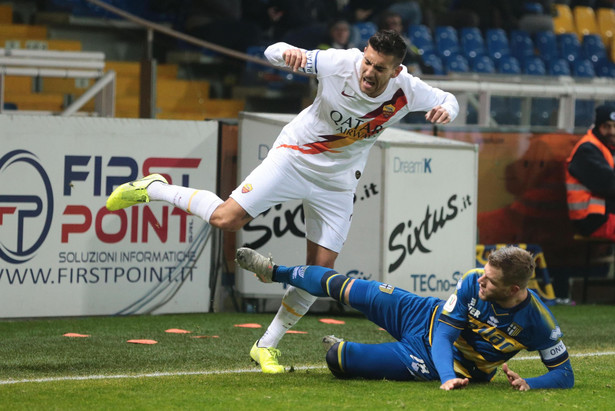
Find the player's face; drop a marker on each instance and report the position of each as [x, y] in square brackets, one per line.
[376, 71]
[492, 287]
[607, 129]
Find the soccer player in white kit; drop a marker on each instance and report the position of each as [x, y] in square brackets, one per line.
[317, 158]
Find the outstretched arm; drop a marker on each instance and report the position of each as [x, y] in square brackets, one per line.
[560, 376]
[283, 54]
[442, 354]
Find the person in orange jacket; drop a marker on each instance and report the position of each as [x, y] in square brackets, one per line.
[590, 178]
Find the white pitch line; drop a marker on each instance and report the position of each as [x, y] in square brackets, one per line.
[148, 375]
[215, 372]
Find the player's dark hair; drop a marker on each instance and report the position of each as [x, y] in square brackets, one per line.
[389, 42]
[517, 264]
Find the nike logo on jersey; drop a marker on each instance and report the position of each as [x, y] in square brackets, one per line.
[347, 95]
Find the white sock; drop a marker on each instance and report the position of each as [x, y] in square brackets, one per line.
[201, 203]
[295, 304]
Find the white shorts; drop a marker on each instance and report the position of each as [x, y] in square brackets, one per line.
[276, 180]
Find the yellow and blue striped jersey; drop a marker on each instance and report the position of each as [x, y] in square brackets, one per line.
[490, 334]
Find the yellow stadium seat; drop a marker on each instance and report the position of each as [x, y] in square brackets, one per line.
[17, 85]
[23, 31]
[208, 108]
[585, 21]
[46, 102]
[133, 68]
[124, 68]
[66, 85]
[167, 70]
[181, 108]
[563, 22]
[127, 86]
[6, 14]
[188, 90]
[606, 24]
[53, 44]
[165, 87]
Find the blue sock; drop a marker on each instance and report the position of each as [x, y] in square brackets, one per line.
[306, 277]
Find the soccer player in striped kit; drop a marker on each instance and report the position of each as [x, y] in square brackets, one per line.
[490, 318]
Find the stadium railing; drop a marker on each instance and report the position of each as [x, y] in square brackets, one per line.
[567, 90]
[61, 64]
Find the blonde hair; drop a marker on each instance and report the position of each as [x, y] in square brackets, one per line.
[517, 264]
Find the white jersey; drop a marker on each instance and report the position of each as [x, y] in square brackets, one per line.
[330, 139]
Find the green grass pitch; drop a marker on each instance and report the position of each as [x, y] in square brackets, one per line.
[42, 369]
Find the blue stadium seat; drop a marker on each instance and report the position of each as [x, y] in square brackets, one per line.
[472, 43]
[433, 61]
[521, 44]
[361, 32]
[80, 8]
[483, 64]
[569, 46]
[509, 65]
[605, 68]
[593, 48]
[532, 7]
[583, 68]
[420, 37]
[544, 111]
[583, 113]
[534, 66]
[546, 43]
[447, 42]
[558, 67]
[497, 44]
[457, 64]
[506, 110]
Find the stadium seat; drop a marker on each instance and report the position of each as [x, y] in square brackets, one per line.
[457, 64]
[569, 46]
[563, 22]
[497, 43]
[593, 48]
[546, 43]
[361, 32]
[584, 21]
[521, 44]
[506, 110]
[583, 68]
[544, 111]
[605, 68]
[420, 37]
[606, 24]
[6, 14]
[447, 42]
[18, 85]
[583, 113]
[472, 43]
[433, 61]
[509, 65]
[534, 66]
[23, 31]
[483, 64]
[558, 67]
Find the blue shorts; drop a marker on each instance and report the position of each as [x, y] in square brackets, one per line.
[409, 318]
